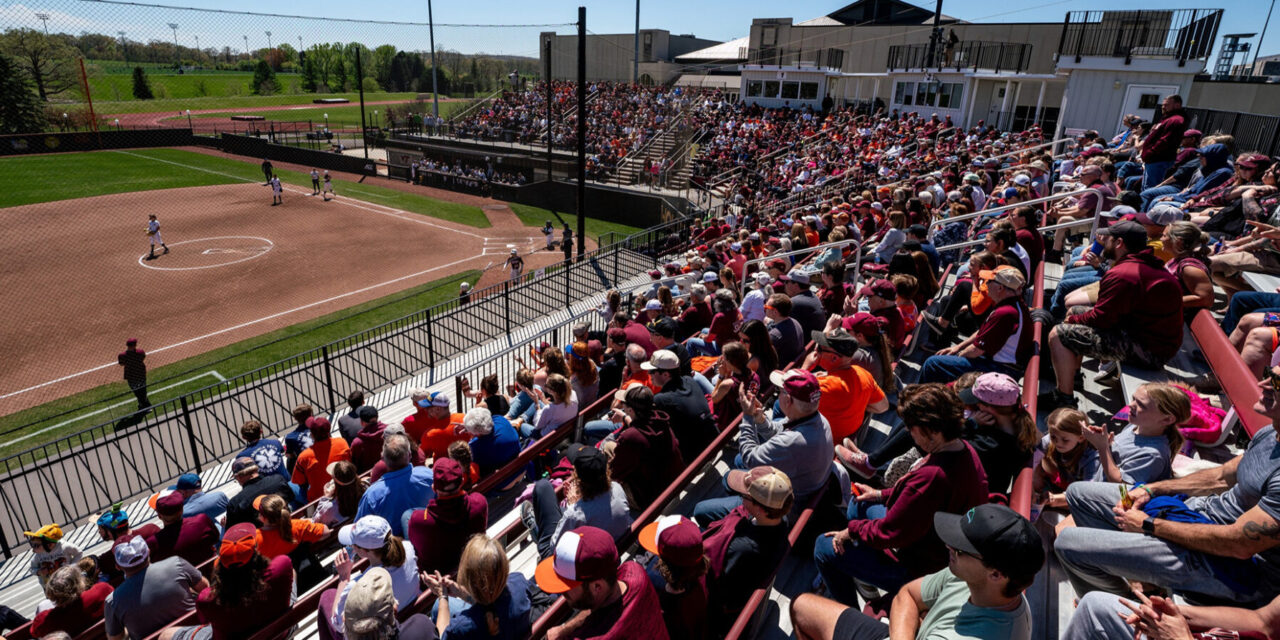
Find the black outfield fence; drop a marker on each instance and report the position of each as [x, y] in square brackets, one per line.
[60, 142]
[76, 476]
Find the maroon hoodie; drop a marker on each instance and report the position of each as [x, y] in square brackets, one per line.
[366, 451]
[1141, 298]
[439, 532]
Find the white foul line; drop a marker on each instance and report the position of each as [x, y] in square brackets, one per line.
[393, 212]
[110, 407]
[246, 324]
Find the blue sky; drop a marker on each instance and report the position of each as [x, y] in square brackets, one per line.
[714, 19]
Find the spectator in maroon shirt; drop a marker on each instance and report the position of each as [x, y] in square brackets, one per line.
[135, 371]
[678, 574]
[366, 450]
[890, 539]
[76, 605]
[615, 602]
[697, 315]
[1160, 147]
[246, 592]
[1026, 228]
[440, 532]
[1137, 319]
[193, 539]
[636, 332]
[1004, 343]
[882, 300]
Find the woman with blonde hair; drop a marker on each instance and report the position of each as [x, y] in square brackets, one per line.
[76, 605]
[585, 377]
[487, 600]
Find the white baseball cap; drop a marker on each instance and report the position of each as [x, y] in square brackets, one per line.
[131, 552]
[710, 276]
[653, 305]
[369, 532]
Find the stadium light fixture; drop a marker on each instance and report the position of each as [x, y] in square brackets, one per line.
[44, 18]
[268, 40]
[174, 26]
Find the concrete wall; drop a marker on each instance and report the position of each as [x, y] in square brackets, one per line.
[1235, 96]
[1094, 99]
[866, 48]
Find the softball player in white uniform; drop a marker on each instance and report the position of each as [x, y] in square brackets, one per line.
[153, 232]
[328, 187]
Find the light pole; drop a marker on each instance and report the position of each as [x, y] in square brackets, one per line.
[268, 41]
[174, 26]
[326, 122]
[435, 97]
[117, 124]
[44, 17]
[64, 121]
[197, 44]
[246, 45]
[376, 122]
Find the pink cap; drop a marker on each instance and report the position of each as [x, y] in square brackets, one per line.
[996, 389]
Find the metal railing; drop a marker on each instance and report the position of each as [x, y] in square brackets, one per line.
[74, 476]
[1183, 34]
[974, 54]
[1252, 131]
[1092, 223]
[804, 253]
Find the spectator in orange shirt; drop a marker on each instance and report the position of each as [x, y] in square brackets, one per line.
[418, 423]
[443, 427]
[848, 391]
[281, 534]
[311, 473]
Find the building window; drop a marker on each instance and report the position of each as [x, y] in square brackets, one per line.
[835, 58]
[791, 90]
[808, 91]
[1149, 101]
[927, 94]
[771, 88]
[949, 96]
[768, 36]
[755, 88]
[904, 93]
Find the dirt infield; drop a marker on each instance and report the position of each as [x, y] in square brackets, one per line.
[79, 283]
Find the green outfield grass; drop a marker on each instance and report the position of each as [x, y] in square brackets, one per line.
[47, 178]
[119, 87]
[104, 104]
[537, 216]
[339, 116]
[230, 361]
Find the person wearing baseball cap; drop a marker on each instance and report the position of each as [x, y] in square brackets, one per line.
[439, 428]
[683, 401]
[247, 592]
[196, 500]
[194, 539]
[441, 530]
[1005, 342]
[882, 301]
[806, 308]
[618, 601]
[1137, 319]
[370, 538]
[742, 546]
[1083, 207]
[951, 479]
[678, 572]
[752, 307]
[994, 556]
[600, 502]
[646, 456]
[798, 444]
[49, 552]
[310, 471]
[849, 392]
[151, 595]
[113, 526]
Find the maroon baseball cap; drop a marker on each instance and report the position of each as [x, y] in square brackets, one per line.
[319, 424]
[865, 324]
[673, 538]
[616, 334]
[800, 384]
[881, 287]
[586, 553]
[446, 475]
[169, 504]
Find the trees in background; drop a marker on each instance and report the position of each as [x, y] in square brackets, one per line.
[46, 59]
[264, 80]
[20, 110]
[141, 88]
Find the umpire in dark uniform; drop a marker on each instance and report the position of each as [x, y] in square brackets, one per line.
[135, 371]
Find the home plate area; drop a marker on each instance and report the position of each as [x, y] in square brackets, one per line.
[503, 246]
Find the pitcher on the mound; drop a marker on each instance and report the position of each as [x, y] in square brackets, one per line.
[153, 232]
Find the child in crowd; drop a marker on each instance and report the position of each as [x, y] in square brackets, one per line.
[906, 286]
[1068, 457]
[48, 552]
[341, 495]
[1001, 431]
[1143, 451]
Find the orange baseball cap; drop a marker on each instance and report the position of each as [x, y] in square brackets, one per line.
[586, 553]
[238, 545]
